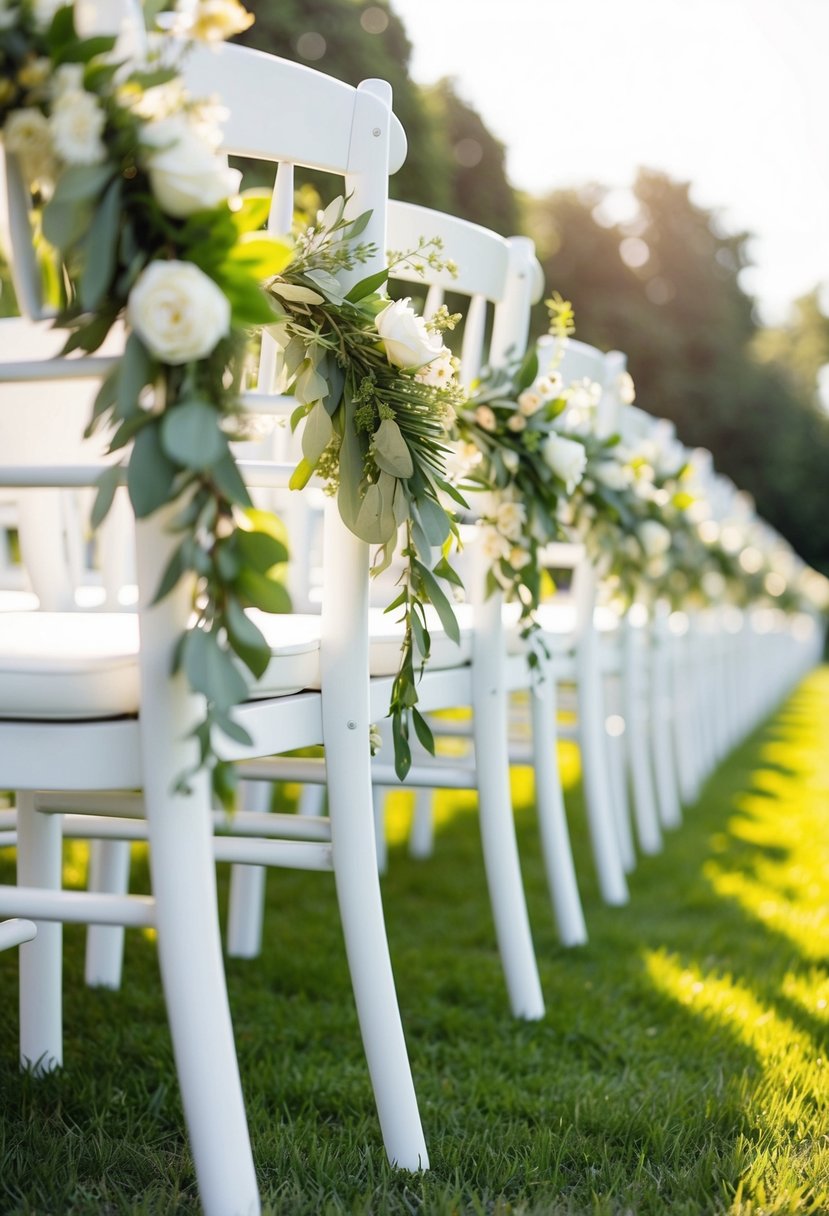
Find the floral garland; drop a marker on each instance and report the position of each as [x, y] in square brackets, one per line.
[377, 392]
[143, 213]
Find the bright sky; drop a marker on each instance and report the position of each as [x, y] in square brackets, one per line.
[732, 95]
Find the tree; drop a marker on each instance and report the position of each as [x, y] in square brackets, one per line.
[665, 288]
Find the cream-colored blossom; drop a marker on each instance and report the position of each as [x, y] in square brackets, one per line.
[186, 171]
[530, 402]
[34, 72]
[178, 312]
[516, 423]
[440, 371]
[66, 78]
[485, 418]
[567, 458]
[584, 394]
[510, 518]
[655, 538]
[518, 557]
[26, 135]
[548, 387]
[625, 388]
[494, 546]
[407, 341]
[77, 124]
[511, 460]
[211, 20]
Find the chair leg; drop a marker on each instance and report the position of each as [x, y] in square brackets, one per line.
[378, 798]
[555, 838]
[246, 906]
[597, 797]
[637, 742]
[422, 835]
[490, 731]
[361, 912]
[189, 948]
[39, 856]
[109, 871]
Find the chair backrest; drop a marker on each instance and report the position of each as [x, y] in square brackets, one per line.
[287, 114]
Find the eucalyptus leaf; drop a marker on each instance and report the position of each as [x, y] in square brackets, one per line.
[423, 731]
[391, 452]
[246, 638]
[150, 475]
[402, 751]
[436, 523]
[260, 592]
[259, 550]
[210, 670]
[107, 484]
[136, 372]
[440, 602]
[317, 433]
[227, 478]
[80, 184]
[101, 248]
[366, 286]
[349, 498]
[296, 294]
[369, 523]
[328, 284]
[191, 435]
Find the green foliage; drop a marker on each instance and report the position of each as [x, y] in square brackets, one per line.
[688, 328]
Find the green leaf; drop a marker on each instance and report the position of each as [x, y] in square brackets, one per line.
[82, 50]
[228, 726]
[246, 638]
[260, 550]
[421, 636]
[301, 475]
[227, 478]
[261, 255]
[391, 452]
[62, 28]
[107, 484]
[136, 372]
[329, 285]
[225, 783]
[210, 669]
[173, 571]
[250, 305]
[105, 398]
[434, 520]
[349, 498]
[254, 211]
[423, 731]
[527, 371]
[444, 570]
[153, 78]
[316, 434]
[357, 227]
[150, 474]
[100, 248]
[402, 751]
[368, 525]
[440, 602]
[191, 435]
[366, 286]
[65, 223]
[257, 591]
[80, 184]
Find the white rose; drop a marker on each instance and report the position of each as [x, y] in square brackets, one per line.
[654, 537]
[516, 422]
[407, 341]
[510, 518]
[76, 124]
[485, 418]
[567, 458]
[530, 402]
[66, 78]
[613, 475]
[186, 172]
[27, 136]
[494, 546]
[177, 311]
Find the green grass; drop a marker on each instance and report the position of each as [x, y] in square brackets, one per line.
[681, 1067]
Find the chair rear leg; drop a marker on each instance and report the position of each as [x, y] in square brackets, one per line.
[246, 906]
[109, 871]
[39, 857]
[555, 838]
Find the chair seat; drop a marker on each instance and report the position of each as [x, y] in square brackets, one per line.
[76, 665]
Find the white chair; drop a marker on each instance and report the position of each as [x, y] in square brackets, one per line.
[73, 720]
[490, 269]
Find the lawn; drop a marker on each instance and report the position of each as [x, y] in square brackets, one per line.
[681, 1067]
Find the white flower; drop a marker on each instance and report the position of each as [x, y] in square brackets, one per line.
[177, 311]
[211, 20]
[567, 458]
[186, 172]
[613, 475]
[548, 387]
[516, 422]
[461, 460]
[530, 402]
[654, 537]
[511, 460]
[27, 136]
[494, 546]
[407, 341]
[584, 393]
[44, 10]
[625, 388]
[66, 78]
[440, 371]
[76, 124]
[518, 558]
[485, 418]
[9, 14]
[510, 518]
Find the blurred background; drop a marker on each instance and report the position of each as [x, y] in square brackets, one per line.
[668, 160]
